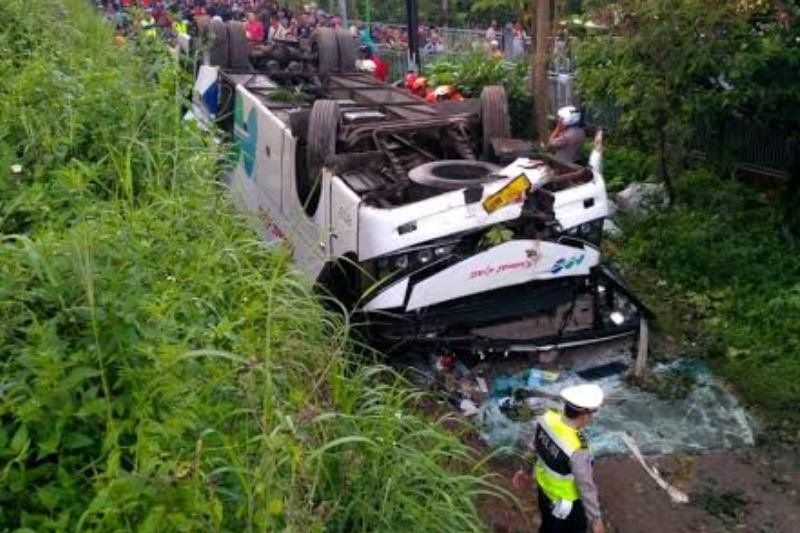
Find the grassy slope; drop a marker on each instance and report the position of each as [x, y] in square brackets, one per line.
[159, 369]
[719, 272]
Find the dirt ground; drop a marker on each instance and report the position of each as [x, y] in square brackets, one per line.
[753, 490]
[749, 490]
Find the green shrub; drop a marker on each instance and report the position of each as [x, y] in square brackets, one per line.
[161, 369]
[722, 250]
[474, 71]
[623, 166]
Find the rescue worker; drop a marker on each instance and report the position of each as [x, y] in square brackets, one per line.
[421, 88]
[411, 78]
[567, 138]
[568, 500]
[148, 26]
[444, 92]
[182, 27]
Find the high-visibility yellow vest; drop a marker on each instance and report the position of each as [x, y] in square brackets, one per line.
[149, 27]
[555, 442]
[182, 27]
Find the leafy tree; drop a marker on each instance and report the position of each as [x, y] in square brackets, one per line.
[519, 8]
[765, 84]
[666, 61]
[675, 63]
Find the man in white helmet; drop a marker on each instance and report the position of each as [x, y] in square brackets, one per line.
[568, 500]
[568, 136]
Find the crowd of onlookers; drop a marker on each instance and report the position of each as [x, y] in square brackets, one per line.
[265, 19]
[268, 20]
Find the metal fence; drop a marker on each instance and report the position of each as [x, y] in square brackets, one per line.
[562, 84]
[459, 39]
[746, 143]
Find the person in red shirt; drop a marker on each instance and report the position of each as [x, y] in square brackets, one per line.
[421, 88]
[381, 70]
[254, 29]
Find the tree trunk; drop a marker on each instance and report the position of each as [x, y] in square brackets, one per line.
[664, 165]
[540, 82]
[445, 5]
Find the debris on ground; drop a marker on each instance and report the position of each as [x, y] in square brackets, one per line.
[678, 414]
[639, 198]
[611, 230]
[691, 412]
[676, 407]
[468, 407]
[465, 388]
[677, 496]
[672, 383]
[518, 411]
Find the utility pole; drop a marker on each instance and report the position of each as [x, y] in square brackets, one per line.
[343, 12]
[412, 18]
[540, 81]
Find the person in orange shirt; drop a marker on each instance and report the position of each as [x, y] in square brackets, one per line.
[411, 77]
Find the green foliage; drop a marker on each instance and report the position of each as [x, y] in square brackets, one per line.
[721, 252]
[474, 71]
[494, 236]
[764, 64]
[657, 70]
[520, 9]
[623, 165]
[161, 369]
[430, 11]
[674, 66]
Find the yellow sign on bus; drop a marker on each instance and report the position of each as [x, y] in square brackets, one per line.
[512, 192]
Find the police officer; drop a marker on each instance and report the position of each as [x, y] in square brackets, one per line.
[568, 499]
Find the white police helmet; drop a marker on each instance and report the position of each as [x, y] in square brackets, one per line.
[569, 115]
[588, 397]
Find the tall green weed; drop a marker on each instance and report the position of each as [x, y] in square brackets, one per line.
[160, 369]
